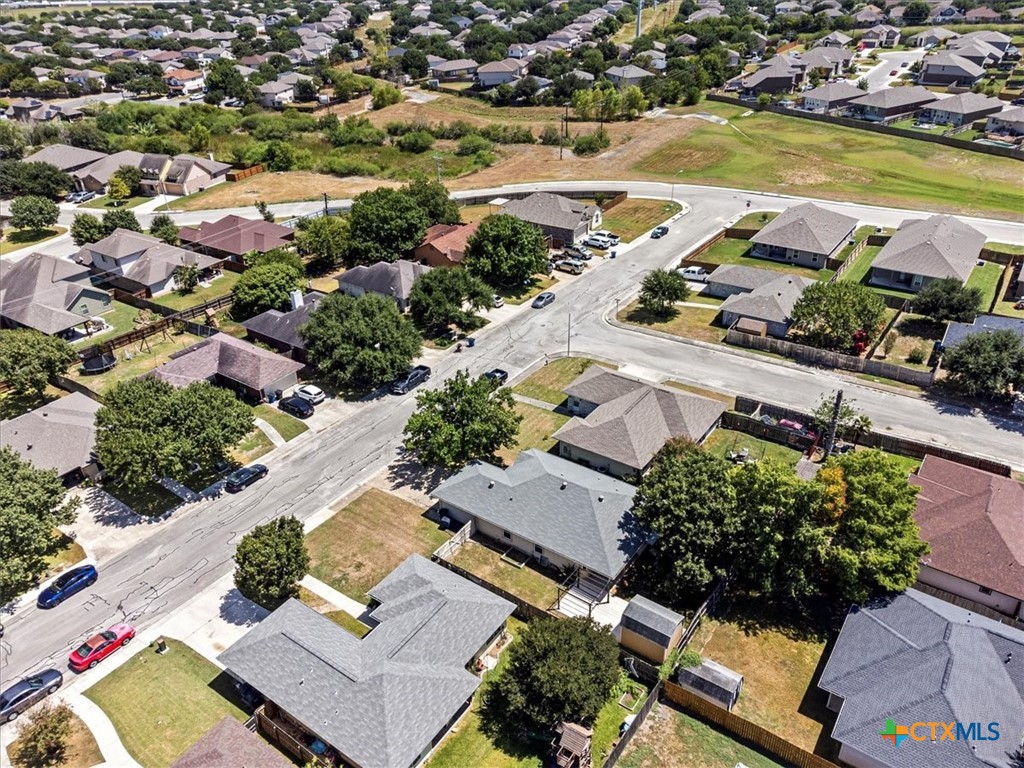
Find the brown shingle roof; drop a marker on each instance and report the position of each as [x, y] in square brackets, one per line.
[230, 358]
[937, 247]
[237, 235]
[229, 744]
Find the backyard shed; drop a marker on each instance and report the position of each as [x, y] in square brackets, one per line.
[649, 629]
[711, 681]
[571, 746]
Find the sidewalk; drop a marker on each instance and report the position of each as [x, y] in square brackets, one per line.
[352, 607]
[272, 434]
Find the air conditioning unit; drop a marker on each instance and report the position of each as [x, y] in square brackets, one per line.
[446, 522]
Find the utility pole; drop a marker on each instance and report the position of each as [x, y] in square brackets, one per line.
[639, 15]
[568, 337]
[437, 166]
[830, 440]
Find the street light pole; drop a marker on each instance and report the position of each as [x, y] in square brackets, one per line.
[568, 337]
[437, 166]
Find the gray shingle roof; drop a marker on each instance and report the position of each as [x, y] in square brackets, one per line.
[772, 302]
[546, 209]
[225, 356]
[806, 227]
[39, 290]
[952, 59]
[937, 247]
[889, 98]
[916, 658]
[59, 435]
[651, 620]
[967, 103]
[382, 699]
[152, 262]
[65, 157]
[745, 278]
[107, 166]
[565, 508]
[395, 280]
[284, 326]
[832, 92]
[957, 332]
[713, 679]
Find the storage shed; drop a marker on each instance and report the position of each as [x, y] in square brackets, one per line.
[711, 681]
[649, 629]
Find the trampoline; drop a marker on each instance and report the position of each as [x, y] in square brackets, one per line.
[98, 364]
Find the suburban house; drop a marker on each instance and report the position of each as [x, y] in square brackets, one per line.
[385, 700]
[456, 69]
[1008, 123]
[563, 220]
[962, 109]
[650, 629]
[184, 81]
[833, 40]
[546, 507]
[233, 364]
[974, 523]
[830, 96]
[444, 245]
[779, 74]
[65, 157]
[620, 423]
[929, 249]
[36, 111]
[393, 280]
[730, 279]
[276, 94]
[768, 308]
[949, 68]
[888, 104]
[827, 62]
[500, 72]
[50, 295]
[234, 236]
[190, 173]
[95, 176]
[804, 234]
[945, 13]
[881, 36]
[280, 330]
[957, 332]
[137, 263]
[913, 657]
[231, 743]
[933, 37]
[981, 52]
[153, 167]
[627, 75]
[59, 435]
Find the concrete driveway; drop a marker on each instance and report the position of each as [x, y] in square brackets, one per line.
[879, 77]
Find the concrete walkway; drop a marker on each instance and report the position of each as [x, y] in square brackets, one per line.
[534, 402]
[114, 753]
[179, 490]
[334, 597]
[270, 432]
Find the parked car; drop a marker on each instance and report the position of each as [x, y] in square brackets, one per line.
[695, 273]
[659, 231]
[894, 73]
[197, 97]
[610, 236]
[498, 301]
[75, 197]
[1017, 102]
[572, 266]
[411, 380]
[87, 196]
[577, 252]
[67, 584]
[596, 241]
[497, 376]
[297, 406]
[28, 692]
[786, 103]
[905, 64]
[98, 647]
[310, 393]
[244, 477]
[543, 300]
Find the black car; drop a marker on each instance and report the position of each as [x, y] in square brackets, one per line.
[244, 477]
[497, 377]
[411, 380]
[659, 232]
[27, 692]
[67, 584]
[296, 406]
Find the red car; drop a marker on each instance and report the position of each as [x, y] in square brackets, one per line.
[893, 73]
[98, 647]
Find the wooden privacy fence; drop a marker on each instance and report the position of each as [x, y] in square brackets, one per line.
[744, 729]
[627, 737]
[243, 173]
[706, 607]
[841, 266]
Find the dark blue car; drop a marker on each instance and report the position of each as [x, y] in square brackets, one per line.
[67, 584]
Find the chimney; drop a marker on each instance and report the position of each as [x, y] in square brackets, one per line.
[210, 155]
[296, 297]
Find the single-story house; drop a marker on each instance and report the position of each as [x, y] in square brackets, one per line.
[980, 52]
[890, 103]
[1008, 123]
[231, 363]
[833, 40]
[804, 234]
[831, 96]
[929, 249]
[650, 629]
[65, 157]
[620, 423]
[961, 109]
[190, 173]
[868, 16]
[627, 75]
[444, 245]
[500, 72]
[973, 522]
[456, 69]
[385, 700]
[280, 330]
[95, 176]
[902, 661]
[393, 280]
[729, 279]
[552, 509]
[60, 435]
[712, 682]
[771, 304]
[998, 40]
[229, 744]
[779, 74]
[934, 36]
[827, 62]
[949, 68]
[982, 14]
[957, 332]
[945, 12]
[561, 219]
[881, 36]
[231, 237]
[48, 294]
[36, 111]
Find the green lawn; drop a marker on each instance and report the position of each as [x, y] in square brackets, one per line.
[908, 125]
[610, 719]
[548, 381]
[16, 239]
[149, 500]
[755, 219]
[365, 540]
[861, 233]
[161, 705]
[766, 151]
[287, 426]
[145, 356]
[986, 279]
[535, 431]
[688, 322]
[530, 584]
[526, 293]
[221, 286]
[348, 622]
[729, 400]
[858, 270]
[253, 446]
[1006, 247]
[64, 552]
[634, 216]
[106, 204]
[732, 250]
[721, 441]
[121, 318]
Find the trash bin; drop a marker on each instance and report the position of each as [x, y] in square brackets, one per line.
[470, 341]
[278, 394]
[613, 254]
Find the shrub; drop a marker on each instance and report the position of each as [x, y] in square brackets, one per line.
[453, 130]
[591, 143]
[470, 145]
[917, 356]
[550, 136]
[501, 133]
[688, 659]
[416, 141]
[350, 166]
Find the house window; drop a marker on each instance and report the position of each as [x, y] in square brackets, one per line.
[538, 549]
[814, 259]
[507, 535]
[985, 590]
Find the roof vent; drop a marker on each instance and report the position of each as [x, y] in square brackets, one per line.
[28, 447]
[490, 484]
[564, 485]
[600, 498]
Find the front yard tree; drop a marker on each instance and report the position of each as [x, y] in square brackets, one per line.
[270, 561]
[86, 228]
[441, 298]
[120, 218]
[465, 420]
[324, 241]
[829, 315]
[118, 190]
[29, 359]
[506, 251]
[163, 227]
[661, 289]
[263, 287]
[384, 225]
[948, 299]
[360, 342]
[33, 213]
[147, 429]
[433, 198]
[986, 364]
[43, 739]
[32, 504]
[558, 670]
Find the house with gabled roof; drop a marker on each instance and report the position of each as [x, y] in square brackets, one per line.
[280, 330]
[95, 176]
[231, 237]
[830, 96]
[962, 109]
[65, 157]
[627, 75]
[393, 280]
[768, 306]
[560, 218]
[949, 68]
[923, 250]
[804, 234]
[50, 295]
[60, 435]
[890, 104]
[444, 245]
[958, 332]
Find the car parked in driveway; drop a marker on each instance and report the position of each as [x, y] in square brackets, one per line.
[695, 273]
[67, 584]
[543, 300]
[497, 301]
[497, 376]
[577, 252]
[572, 266]
[659, 231]
[99, 646]
[244, 477]
[28, 692]
[310, 393]
[609, 236]
[297, 406]
[597, 241]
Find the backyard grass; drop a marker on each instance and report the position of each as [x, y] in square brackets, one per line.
[365, 540]
[253, 446]
[858, 270]
[82, 750]
[721, 441]
[535, 431]
[325, 283]
[670, 738]
[913, 332]
[732, 250]
[287, 426]
[689, 322]
[220, 286]
[348, 622]
[729, 400]
[13, 405]
[548, 381]
[610, 718]
[105, 203]
[986, 279]
[149, 500]
[1006, 247]
[16, 239]
[1006, 303]
[698, 298]
[471, 213]
[145, 356]
[755, 219]
[121, 318]
[225, 323]
[154, 726]
[860, 234]
[634, 216]
[528, 583]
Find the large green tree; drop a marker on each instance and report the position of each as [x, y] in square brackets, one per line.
[384, 225]
[33, 213]
[147, 429]
[12, 140]
[828, 315]
[264, 286]
[29, 359]
[120, 218]
[32, 504]
[467, 419]
[359, 342]
[163, 227]
[444, 297]
[33, 178]
[986, 364]
[432, 197]
[505, 251]
[558, 670]
[324, 241]
[44, 738]
[661, 289]
[86, 228]
[948, 299]
[270, 561]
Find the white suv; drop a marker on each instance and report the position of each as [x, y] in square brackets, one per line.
[598, 241]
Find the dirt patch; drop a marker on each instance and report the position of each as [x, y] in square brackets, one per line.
[294, 186]
[682, 154]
